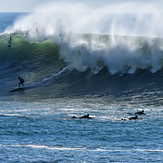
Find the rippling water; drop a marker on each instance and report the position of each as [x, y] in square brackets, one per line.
[43, 131]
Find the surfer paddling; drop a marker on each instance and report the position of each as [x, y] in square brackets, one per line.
[21, 81]
[83, 117]
[140, 112]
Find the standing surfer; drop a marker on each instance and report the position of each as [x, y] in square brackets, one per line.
[21, 81]
[10, 42]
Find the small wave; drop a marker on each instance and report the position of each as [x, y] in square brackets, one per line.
[11, 116]
[47, 81]
[79, 149]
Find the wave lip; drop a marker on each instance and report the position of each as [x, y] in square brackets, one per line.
[100, 60]
[123, 41]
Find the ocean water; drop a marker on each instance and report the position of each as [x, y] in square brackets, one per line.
[78, 64]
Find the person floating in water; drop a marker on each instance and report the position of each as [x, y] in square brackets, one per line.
[21, 81]
[140, 112]
[83, 117]
[133, 118]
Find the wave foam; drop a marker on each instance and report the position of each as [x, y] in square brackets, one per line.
[80, 149]
[126, 53]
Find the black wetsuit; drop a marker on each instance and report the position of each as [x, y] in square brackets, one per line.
[140, 112]
[21, 81]
[133, 118]
[85, 117]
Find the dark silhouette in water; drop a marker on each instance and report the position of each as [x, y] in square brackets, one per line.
[85, 117]
[140, 112]
[73, 117]
[21, 81]
[82, 117]
[10, 42]
[133, 118]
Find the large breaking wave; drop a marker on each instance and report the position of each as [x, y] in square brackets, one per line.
[115, 36]
[83, 38]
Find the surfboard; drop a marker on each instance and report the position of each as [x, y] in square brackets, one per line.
[18, 89]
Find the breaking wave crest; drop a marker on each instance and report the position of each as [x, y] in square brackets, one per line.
[115, 36]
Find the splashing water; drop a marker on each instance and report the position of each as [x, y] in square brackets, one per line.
[117, 36]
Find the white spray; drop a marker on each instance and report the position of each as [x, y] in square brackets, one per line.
[118, 36]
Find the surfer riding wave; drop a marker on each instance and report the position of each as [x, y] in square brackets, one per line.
[21, 81]
[10, 41]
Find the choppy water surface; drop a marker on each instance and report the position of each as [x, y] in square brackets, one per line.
[44, 131]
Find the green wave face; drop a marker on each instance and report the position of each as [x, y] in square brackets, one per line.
[93, 63]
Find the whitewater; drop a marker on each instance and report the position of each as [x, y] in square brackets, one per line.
[78, 59]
